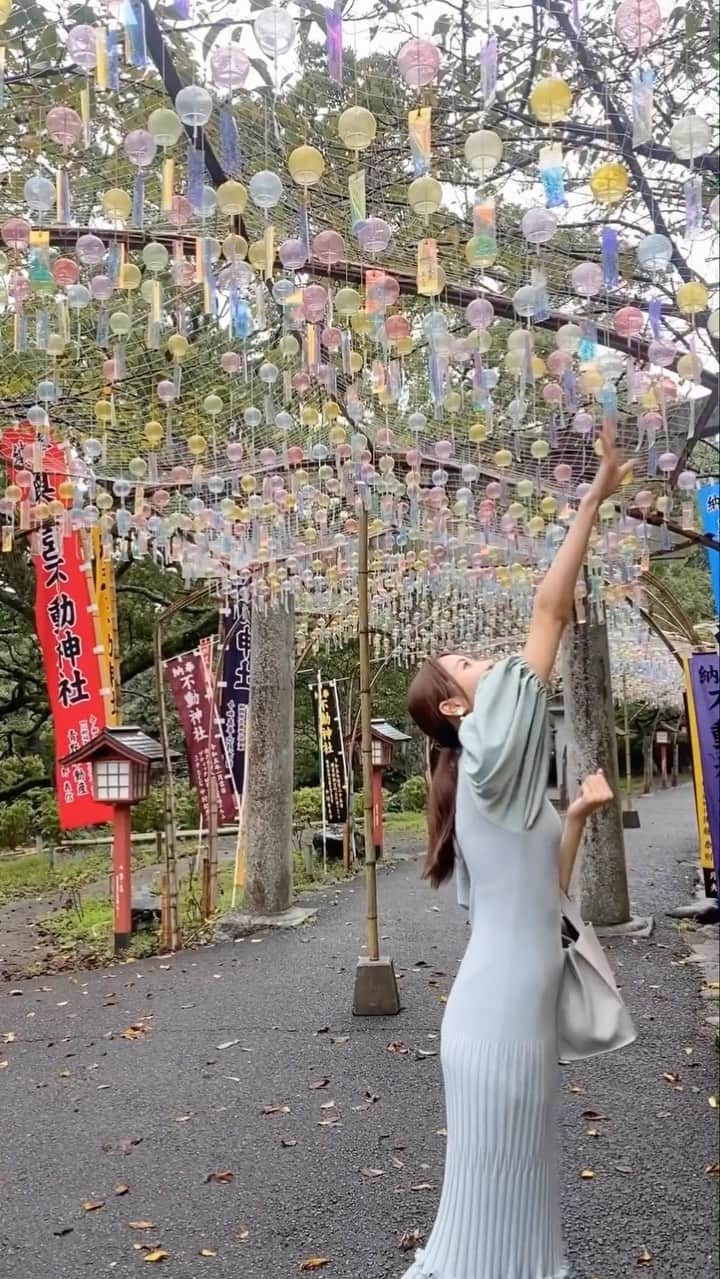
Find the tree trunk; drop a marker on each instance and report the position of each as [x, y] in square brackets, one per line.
[592, 744]
[269, 792]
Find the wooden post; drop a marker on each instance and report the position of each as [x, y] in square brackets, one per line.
[373, 942]
[173, 934]
[376, 992]
[590, 713]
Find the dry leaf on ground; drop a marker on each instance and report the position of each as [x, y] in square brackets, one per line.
[411, 1240]
[221, 1178]
[92, 1205]
[122, 1189]
[158, 1254]
[645, 1258]
[142, 1225]
[315, 1263]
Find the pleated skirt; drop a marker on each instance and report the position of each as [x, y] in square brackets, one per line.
[499, 1214]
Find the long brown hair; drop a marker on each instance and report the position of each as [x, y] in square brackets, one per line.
[431, 686]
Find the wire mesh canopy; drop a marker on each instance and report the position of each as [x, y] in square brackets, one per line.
[261, 272]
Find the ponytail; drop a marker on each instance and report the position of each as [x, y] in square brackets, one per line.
[440, 858]
[429, 689]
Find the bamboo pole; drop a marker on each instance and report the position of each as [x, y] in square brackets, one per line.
[171, 927]
[373, 941]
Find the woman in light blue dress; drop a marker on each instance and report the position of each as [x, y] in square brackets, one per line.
[491, 824]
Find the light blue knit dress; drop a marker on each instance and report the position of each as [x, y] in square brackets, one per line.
[499, 1212]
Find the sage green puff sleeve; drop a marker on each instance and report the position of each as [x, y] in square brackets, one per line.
[506, 745]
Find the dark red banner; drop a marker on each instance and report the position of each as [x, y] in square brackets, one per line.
[187, 677]
[65, 628]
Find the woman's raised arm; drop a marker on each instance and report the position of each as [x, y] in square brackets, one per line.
[555, 597]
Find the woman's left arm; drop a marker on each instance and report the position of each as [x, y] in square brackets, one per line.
[593, 794]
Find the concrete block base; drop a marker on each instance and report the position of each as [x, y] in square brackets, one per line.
[376, 992]
[638, 926]
[704, 910]
[238, 924]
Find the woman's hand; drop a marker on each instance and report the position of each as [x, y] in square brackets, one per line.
[594, 793]
[611, 472]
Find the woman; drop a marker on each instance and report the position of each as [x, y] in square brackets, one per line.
[489, 822]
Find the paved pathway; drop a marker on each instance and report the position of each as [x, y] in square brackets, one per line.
[352, 1160]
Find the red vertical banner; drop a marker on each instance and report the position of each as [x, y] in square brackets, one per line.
[191, 690]
[65, 631]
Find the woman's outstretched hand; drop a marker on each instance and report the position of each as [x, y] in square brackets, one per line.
[611, 471]
[594, 793]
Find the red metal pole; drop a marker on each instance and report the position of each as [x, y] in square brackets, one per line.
[122, 886]
[377, 811]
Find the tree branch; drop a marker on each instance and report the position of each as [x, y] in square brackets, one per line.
[621, 128]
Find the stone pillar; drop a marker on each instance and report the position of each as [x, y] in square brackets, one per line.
[269, 789]
[592, 744]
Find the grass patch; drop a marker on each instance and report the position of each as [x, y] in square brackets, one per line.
[83, 933]
[32, 875]
[406, 824]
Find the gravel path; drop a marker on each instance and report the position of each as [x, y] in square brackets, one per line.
[355, 1161]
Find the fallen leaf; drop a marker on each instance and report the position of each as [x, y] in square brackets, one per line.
[592, 1132]
[158, 1254]
[713, 1101]
[423, 1185]
[122, 1189]
[135, 1032]
[575, 1088]
[672, 1077]
[315, 1263]
[127, 1144]
[713, 1170]
[645, 1258]
[230, 1043]
[441, 1132]
[396, 1163]
[593, 1116]
[396, 1046]
[182, 1119]
[142, 1225]
[372, 1098]
[587, 1174]
[275, 1110]
[411, 1240]
[64, 1230]
[288, 1142]
[318, 1083]
[244, 1236]
[623, 1168]
[207, 1252]
[221, 1178]
[420, 1053]
[373, 1172]
[92, 1205]
[339, 1039]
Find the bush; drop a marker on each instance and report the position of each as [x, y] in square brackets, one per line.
[307, 807]
[412, 795]
[17, 827]
[46, 817]
[149, 814]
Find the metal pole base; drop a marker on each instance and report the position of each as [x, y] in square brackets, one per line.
[121, 943]
[376, 992]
